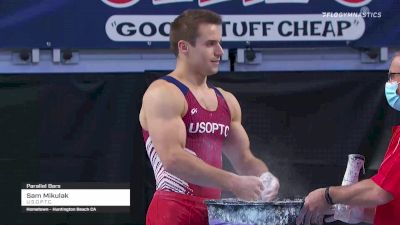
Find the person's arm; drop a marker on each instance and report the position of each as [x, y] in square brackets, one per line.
[365, 193]
[237, 145]
[163, 107]
[237, 150]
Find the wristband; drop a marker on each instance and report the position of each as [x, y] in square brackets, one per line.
[328, 197]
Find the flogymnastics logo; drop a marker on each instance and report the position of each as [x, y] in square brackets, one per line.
[120, 3]
[364, 13]
[354, 3]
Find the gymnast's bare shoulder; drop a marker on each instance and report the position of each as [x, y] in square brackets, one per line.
[161, 99]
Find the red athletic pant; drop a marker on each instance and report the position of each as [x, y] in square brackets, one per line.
[171, 208]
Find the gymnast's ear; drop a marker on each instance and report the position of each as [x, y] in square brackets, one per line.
[183, 46]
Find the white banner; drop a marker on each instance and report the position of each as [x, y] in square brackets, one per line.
[292, 27]
[75, 197]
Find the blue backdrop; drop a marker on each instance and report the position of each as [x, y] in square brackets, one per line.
[145, 23]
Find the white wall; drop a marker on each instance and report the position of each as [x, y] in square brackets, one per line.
[139, 60]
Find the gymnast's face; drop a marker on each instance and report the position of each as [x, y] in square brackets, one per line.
[204, 56]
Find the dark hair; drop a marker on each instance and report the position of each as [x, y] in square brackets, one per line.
[185, 26]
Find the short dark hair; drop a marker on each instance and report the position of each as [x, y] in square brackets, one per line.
[185, 26]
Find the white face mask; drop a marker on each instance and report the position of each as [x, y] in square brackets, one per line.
[391, 95]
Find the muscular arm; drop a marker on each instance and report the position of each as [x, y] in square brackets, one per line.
[365, 193]
[237, 146]
[162, 107]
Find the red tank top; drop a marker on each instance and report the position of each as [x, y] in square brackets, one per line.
[206, 132]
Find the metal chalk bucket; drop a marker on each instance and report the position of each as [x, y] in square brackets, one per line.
[237, 212]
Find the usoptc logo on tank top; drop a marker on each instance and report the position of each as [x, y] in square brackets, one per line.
[208, 128]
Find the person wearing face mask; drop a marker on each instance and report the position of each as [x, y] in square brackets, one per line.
[375, 200]
[392, 90]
